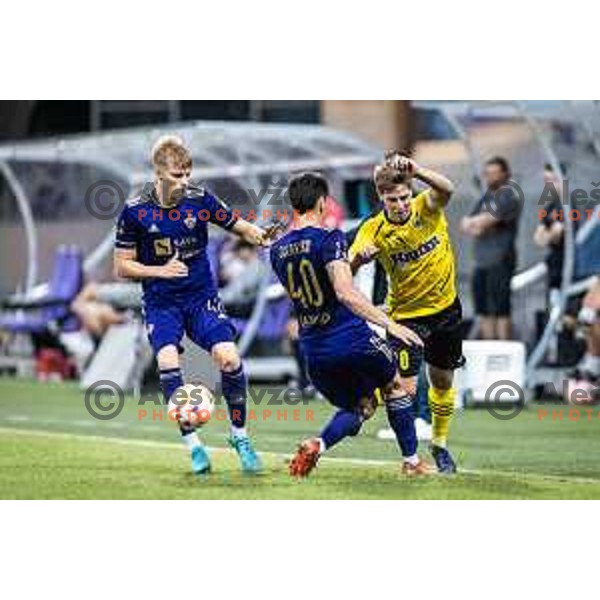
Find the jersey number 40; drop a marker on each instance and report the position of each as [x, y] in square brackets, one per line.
[303, 284]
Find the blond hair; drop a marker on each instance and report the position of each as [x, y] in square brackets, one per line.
[171, 148]
[387, 178]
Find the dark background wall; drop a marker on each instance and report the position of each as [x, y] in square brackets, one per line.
[23, 119]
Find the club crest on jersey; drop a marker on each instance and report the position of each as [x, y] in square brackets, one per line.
[190, 221]
[162, 247]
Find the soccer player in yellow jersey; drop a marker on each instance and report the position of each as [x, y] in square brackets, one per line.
[410, 239]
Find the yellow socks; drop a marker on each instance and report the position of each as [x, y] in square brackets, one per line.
[441, 403]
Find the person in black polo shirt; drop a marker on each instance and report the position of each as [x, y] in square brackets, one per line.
[493, 224]
[550, 232]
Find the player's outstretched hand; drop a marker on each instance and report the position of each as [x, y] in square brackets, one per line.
[366, 255]
[405, 334]
[271, 233]
[174, 268]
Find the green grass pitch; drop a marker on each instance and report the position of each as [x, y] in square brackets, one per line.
[50, 447]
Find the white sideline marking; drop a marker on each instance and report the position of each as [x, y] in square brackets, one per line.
[338, 460]
[157, 444]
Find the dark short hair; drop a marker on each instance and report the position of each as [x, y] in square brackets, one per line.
[563, 167]
[501, 162]
[305, 189]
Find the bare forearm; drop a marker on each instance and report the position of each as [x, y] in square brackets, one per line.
[253, 233]
[478, 224]
[485, 221]
[440, 183]
[361, 306]
[250, 232]
[540, 236]
[132, 269]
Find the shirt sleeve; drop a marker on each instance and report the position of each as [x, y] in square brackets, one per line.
[422, 201]
[364, 238]
[219, 213]
[507, 206]
[334, 247]
[127, 235]
[476, 210]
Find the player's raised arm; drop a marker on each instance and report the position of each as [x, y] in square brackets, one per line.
[441, 187]
[340, 276]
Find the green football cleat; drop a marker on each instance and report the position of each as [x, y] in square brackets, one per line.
[248, 458]
[200, 461]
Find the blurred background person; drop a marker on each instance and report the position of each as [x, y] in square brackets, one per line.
[96, 316]
[493, 225]
[334, 214]
[242, 272]
[586, 376]
[549, 234]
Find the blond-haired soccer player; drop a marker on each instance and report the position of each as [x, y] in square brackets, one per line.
[161, 239]
[410, 239]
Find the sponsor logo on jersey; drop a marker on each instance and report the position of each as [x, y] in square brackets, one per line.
[402, 258]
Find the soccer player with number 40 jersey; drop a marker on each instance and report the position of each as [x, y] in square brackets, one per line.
[346, 360]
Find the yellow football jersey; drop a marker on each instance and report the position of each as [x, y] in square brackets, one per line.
[417, 257]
